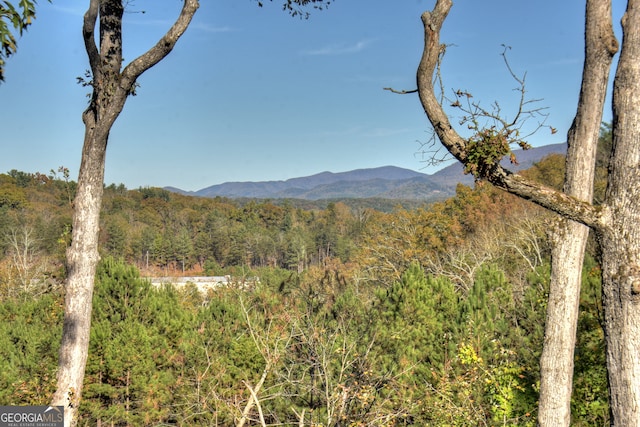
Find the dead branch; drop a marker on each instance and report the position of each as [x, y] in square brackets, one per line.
[401, 92]
[459, 147]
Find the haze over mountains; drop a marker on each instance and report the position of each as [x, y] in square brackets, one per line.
[387, 182]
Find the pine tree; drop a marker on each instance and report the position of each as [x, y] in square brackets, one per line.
[417, 332]
[30, 333]
[133, 355]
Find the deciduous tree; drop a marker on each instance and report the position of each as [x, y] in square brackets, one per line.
[570, 238]
[614, 222]
[19, 18]
[111, 85]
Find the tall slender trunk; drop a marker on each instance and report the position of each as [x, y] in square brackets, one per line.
[111, 87]
[569, 237]
[82, 260]
[620, 241]
[615, 222]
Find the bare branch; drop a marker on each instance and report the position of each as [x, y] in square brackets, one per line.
[597, 217]
[162, 48]
[88, 29]
[401, 92]
[300, 416]
[459, 147]
[432, 152]
[478, 118]
[254, 398]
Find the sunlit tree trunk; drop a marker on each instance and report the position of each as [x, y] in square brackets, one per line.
[569, 238]
[620, 241]
[111, 87]
[615, 222]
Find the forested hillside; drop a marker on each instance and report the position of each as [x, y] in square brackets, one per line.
[432, 315]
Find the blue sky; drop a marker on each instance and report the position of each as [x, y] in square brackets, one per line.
[251, 94]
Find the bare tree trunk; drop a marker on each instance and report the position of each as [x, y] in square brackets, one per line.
[82, 258]
[615, 222]
[569, 237]
[620, 241]
[111, 87]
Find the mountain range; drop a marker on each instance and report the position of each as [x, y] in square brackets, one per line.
[386, 182]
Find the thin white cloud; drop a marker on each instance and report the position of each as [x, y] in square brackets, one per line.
[150, 22]
[339, 49]
[200, 26]
[69, 10]
[210, 28]
[364, 132]
[354, 130]
[386, 132]
[559, 62]
[165, 23]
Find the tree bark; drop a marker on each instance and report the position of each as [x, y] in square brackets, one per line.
[620, 242]
[615, 222]
[556, 201]
[110, 91]
[569, 238]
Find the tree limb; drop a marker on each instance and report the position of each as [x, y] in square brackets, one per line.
[569, 207]
[254, 398]
[401, 92]
[88, 29]
[162, 48]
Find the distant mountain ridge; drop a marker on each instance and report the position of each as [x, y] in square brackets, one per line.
[386, 182]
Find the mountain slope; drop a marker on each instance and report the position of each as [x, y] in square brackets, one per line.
[451, 175]
[387, 182]
[318, 186]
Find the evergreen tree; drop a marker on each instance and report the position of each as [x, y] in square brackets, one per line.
[131, 370]
[590, 403]
[30, 331]
[488, 312]
[488, 354]
[417, 332]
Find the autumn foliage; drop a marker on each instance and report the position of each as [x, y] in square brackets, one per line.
[426, 316]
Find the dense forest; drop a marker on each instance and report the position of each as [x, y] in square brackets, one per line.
[429, 315]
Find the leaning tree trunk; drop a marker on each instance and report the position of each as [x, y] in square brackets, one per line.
[569, 238]
[620, 241]
[111, 87]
